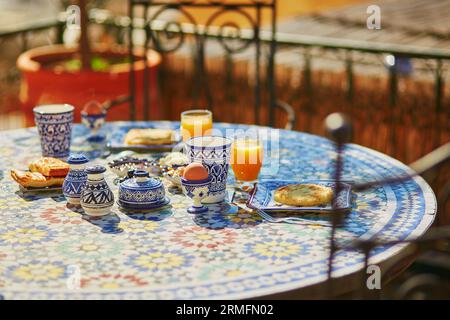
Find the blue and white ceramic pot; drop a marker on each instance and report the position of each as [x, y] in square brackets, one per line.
[214, 153]
[197, 190]
[97, 198]
[76, 179]
[94, 122]
[142, 192]
[54, 124]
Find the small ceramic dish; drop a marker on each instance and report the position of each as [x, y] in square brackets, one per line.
[142, 193]
[197, 190]
[121, 166]
[262, 197]
[174, 175]
[173, 159]
[172, 166]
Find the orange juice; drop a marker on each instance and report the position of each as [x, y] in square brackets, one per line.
[246, 159]
[195, 123]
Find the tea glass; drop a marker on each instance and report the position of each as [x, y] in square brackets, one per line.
[195, 123]
[246, 161]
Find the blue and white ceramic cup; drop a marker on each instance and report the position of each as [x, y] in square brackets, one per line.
[54, 123]
[214, 153]
[94, 122]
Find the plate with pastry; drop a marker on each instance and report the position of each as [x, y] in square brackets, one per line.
[174, 160]
[174, 175]
[44, 174]
[144, 138]
[172, 167]
[299, 196]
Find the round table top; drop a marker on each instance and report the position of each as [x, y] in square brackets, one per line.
[45, 247]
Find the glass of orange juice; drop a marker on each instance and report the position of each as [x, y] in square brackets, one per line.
[246, 161]
[195, 123]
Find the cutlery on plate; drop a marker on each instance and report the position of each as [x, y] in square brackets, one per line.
[291, 220]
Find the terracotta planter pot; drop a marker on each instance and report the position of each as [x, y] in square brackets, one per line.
[42, 85]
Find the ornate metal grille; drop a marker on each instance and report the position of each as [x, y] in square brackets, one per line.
[169, 36]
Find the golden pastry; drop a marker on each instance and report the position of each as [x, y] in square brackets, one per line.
[35, 179]
[149, 136]
[303, 195]
[50, 167]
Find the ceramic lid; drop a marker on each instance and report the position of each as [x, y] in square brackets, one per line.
[77, 159]
[95, 169]
[141, 182]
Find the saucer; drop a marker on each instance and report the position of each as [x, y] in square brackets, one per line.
[143, 207]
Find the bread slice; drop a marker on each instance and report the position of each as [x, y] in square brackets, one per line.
[50, 167]
[149, 137]
[35, 179]
[303, 195]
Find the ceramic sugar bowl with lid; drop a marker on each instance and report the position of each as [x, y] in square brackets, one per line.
[142, 192]
[97, 198]
[76, 179]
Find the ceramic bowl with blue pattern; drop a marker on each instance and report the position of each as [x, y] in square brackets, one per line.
[142, 192]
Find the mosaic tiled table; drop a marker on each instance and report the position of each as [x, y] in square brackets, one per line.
[45, 247]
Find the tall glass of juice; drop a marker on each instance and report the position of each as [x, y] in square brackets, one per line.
[246, 160]
[195, 123]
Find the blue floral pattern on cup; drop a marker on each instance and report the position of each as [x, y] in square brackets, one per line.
[55, 129]
[216, 159]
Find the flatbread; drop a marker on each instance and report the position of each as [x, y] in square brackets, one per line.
[303, 195]
[149, 137]
[50, 167]
[35, 179]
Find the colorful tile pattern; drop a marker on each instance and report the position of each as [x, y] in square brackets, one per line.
[46, 247]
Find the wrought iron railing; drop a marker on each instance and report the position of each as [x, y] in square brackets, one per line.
[119, 27]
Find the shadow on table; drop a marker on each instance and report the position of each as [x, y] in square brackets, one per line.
[56, 196]
[108, 223]
[224, 215]
[154, 215]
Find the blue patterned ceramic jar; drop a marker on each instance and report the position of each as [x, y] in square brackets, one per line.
[197, 190]
[94, 121]
[76, 179]
[97, 198]
[142, 192]
[214, 153]
[54, 124]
